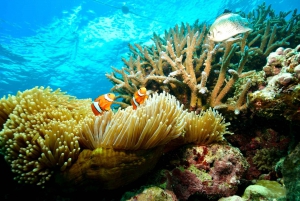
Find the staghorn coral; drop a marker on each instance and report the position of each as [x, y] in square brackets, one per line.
[41, 133]
[188, 65]
[181, 64]
[270, 31]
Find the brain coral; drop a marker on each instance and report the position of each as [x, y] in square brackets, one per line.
[40, 132]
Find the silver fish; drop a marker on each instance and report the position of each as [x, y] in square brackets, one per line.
[228, 25]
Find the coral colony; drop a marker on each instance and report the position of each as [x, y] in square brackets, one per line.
[199, 90]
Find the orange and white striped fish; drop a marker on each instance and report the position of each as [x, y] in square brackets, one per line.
[102, 103]
[139, 97]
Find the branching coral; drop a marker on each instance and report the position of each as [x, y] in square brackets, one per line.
[272, 31]
[41, 132]
[183, 68]
[188, 65]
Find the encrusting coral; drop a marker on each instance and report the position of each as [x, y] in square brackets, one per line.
[279, 97]
[40, 132]
[46, 133]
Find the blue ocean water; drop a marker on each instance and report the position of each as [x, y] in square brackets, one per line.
[71, 44]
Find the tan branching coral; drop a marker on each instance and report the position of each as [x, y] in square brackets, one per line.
[198, 71]
[158, 121]
[41, 132]
[184, 69]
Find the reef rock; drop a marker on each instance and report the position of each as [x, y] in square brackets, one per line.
[212, 171]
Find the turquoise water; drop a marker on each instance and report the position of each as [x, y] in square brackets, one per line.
[71, 44]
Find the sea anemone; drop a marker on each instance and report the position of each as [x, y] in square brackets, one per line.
[123, 146]
[41, 132]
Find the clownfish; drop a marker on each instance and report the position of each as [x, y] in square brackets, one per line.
[102, 103]
[139, 97]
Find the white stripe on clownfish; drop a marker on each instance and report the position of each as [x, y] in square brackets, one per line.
[107, 98]
[96, 105]
[139, 93]
[136, 103]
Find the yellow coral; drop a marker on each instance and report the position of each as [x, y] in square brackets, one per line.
[41, 132]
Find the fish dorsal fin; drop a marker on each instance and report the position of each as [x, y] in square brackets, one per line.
[223, 15]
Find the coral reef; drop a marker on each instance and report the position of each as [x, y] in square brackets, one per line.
[125, 145]
[193, 83]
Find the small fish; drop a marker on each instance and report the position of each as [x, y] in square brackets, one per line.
[139, 97]
[228, 25]
[102, 103]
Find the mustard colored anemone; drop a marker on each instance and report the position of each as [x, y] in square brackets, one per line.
[41, 132]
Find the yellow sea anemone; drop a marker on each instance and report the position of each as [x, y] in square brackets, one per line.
[158, 121]
[45, 130]
[206, 128]
[41, 132]
[123, 146]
